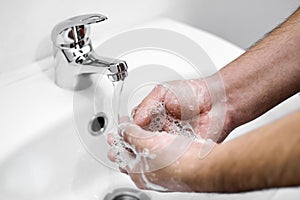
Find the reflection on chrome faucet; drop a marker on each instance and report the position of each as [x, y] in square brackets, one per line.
[75, 58]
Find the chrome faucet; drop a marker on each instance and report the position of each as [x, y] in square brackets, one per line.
[75, 58]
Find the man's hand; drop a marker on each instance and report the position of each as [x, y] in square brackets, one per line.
[161, 161]
[171, 105]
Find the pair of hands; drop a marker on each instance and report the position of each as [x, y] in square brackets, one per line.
[253, 84]
[175, 158]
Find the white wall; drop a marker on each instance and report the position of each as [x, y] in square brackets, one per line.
[240, 21]
[26, 25]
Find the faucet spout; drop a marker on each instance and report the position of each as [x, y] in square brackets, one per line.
[75, 59]
[115, 69]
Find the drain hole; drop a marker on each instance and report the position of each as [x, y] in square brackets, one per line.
[125, 197]
[98, 124]
[126, 194]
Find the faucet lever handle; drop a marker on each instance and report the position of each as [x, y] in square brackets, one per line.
[74, 29]
[86, 19]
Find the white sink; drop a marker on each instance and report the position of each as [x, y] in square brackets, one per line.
[41, 155]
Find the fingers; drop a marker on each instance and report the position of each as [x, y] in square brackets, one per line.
[180, 100]
[120, 155]
[141, 114]
[124, 171]
[114, 158]
[172, 105]
[111, 155]
[140, 139]
[135, 142]
[110, 139]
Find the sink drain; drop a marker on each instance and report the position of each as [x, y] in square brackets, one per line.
[126, 194]
[98, 124]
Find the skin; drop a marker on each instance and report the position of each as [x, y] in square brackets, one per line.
[267, 74]
[264, 158]
[177, 96]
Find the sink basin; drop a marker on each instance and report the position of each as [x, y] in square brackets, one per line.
[42, 155]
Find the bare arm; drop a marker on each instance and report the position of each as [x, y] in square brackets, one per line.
[267, 74]
[265, 158]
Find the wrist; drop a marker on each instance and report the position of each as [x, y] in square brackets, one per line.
[221, 97]
[240, 95]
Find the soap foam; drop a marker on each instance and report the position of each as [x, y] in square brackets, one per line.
[160, 118]
[122, 157]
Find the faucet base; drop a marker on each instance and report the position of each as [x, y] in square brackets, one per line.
[80, 82]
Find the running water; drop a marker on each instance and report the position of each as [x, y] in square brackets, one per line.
[116, 106]
[122, 157]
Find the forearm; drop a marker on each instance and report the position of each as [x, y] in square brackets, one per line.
[267, 74]
[265, 158]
